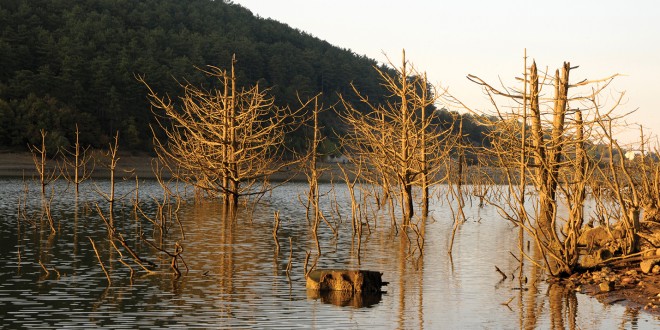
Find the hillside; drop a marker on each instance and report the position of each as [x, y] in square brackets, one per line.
[75, 62]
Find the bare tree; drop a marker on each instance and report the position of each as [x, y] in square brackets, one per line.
[313, 171]
[110, 196]
[40, 159]
[78, 160]
[399, 140]
[624, 181]
[543, 139]
[225, 140]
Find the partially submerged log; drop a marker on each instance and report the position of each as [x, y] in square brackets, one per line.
[345, 280]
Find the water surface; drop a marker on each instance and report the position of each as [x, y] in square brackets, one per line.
[237, 279]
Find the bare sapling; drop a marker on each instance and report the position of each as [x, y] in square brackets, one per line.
[113, 158]
[79, 161]
[276, 228]
[314, 172]
[40, 159]
[288, 265]
[167, 208]
[619, 183]
[311, 161]
[47, 213]
[647, 171]
[350, 184]
[456, 180]
[454, 186]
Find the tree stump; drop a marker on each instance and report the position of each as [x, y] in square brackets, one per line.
[345, 280]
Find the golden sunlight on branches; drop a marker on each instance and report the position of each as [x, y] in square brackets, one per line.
[400, 142]
[223, 140]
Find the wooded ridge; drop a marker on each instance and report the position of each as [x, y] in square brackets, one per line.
[76, 62]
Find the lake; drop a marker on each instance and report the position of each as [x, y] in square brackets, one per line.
[237, 278]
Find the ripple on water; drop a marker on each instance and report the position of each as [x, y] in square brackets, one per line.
[237, 280]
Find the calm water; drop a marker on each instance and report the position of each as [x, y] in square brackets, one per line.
[238, 280]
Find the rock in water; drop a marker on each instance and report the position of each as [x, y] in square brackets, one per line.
[345, 280]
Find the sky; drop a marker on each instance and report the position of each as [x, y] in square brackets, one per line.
[451, 39]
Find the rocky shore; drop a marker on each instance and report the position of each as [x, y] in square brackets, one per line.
[633, 280]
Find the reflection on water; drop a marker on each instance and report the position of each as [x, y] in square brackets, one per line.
[346, 298]
[238, 279]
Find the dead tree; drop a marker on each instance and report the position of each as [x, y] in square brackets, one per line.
[542, 141]
[224, 140]
[399, 140]
[314, 172]
[110, 197]
[40, 159]
[77, 161]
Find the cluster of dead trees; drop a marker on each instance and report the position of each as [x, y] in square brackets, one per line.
[76, 166]
[227, 141]
[545, 145]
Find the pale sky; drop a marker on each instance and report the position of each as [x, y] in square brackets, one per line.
[450, 39]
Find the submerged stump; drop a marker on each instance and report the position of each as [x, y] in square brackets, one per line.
[345, 280]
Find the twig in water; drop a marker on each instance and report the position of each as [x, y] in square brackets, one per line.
[100, 262]
[508, 302]
[514, 256]
[44, 268]
[306, 261]
[276, 227]
[288, 266]
[57, 272]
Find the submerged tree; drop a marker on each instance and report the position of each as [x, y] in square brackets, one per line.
[77, 160]
[39, 157]
[399, 141]
[224, 140]
[543, 141]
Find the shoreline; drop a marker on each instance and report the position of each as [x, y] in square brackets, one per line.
[21, 165]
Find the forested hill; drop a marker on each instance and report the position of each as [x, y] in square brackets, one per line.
[68, 62]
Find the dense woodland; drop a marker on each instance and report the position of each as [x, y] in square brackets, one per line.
[76, 62]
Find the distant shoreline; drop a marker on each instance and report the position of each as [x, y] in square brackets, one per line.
[21, 165]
